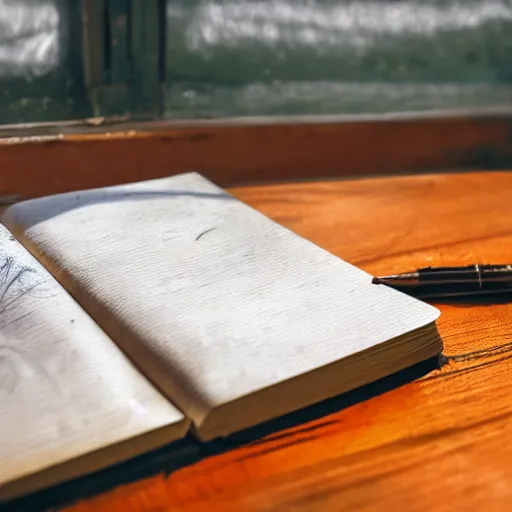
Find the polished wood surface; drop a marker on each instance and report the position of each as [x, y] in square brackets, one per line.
[440, 442]
[36, 162]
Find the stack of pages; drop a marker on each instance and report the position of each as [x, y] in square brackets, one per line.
[132, 315]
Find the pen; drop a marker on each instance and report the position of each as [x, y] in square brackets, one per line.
[438, 282]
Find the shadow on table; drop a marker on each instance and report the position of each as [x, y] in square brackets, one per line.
[180, 454]
[489, 299]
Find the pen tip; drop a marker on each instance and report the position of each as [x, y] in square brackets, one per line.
[376, 280]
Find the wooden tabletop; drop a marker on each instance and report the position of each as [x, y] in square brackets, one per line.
[440, 442]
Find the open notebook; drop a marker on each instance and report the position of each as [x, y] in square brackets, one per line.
[133, 314]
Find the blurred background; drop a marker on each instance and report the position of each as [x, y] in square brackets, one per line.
[154, 59]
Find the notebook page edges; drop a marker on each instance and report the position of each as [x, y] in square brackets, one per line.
[66, 389]
[212, 300]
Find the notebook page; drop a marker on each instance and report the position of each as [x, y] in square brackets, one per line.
[66, 389]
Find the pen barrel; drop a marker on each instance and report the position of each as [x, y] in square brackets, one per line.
[471, 280]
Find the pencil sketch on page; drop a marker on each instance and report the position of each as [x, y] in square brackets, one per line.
[19, 281]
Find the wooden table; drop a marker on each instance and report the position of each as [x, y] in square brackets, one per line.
[441, 442]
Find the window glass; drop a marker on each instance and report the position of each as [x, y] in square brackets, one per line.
[274, 57]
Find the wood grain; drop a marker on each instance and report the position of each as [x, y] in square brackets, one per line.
[232, 152]
[440, 442]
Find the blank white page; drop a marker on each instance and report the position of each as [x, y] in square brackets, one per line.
[213, 300]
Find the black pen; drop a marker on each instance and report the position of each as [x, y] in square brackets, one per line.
[439, 282]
